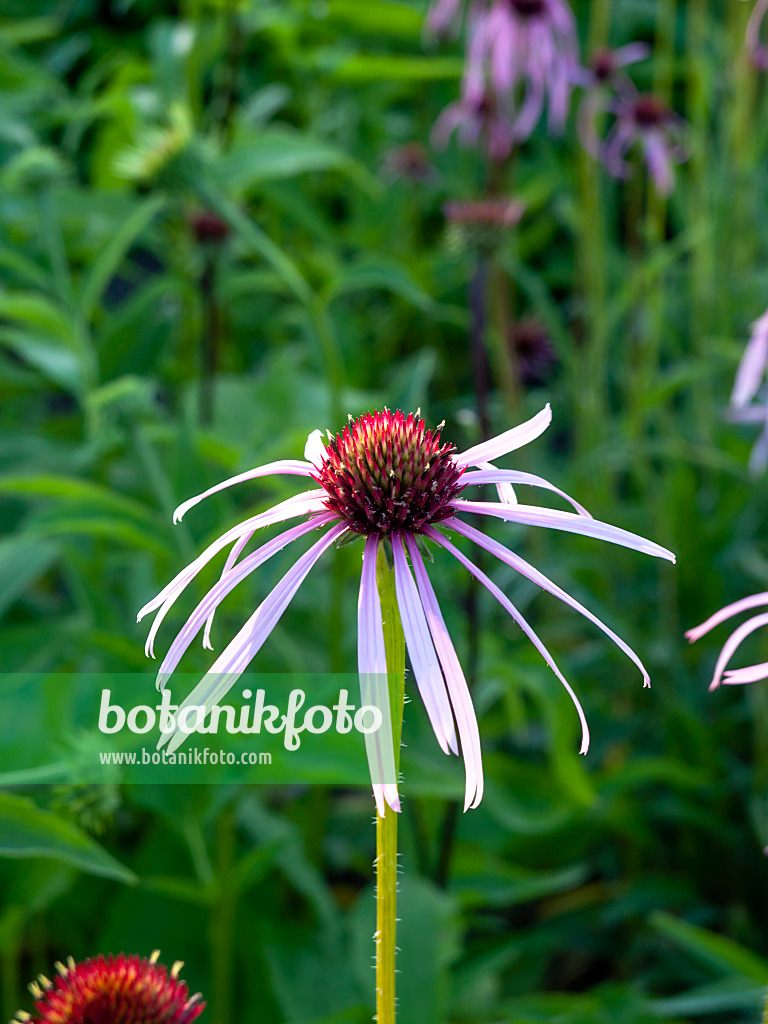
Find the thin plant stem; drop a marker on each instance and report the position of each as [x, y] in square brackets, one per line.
[477, 290]
[703, 254]
[386, 825]
[210, 339]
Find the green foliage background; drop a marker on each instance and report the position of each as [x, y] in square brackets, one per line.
[627, 886]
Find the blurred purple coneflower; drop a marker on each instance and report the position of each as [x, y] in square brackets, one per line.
[758, 52]
[604, 65]
[521, 56]
[476, 121]
[390, 480]
[641, 118]
[750, 673]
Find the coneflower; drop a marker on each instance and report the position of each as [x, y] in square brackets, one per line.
[113, 990]
[391, 481]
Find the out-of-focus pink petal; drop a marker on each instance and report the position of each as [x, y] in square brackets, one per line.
[752, 368]
[750, 674]
[630, 54]
[744, 604]
[733, 642]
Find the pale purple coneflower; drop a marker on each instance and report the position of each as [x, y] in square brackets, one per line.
[390, 480]
[750, 673]
[476, 121]
[641, 118]
[750, 377]
[604, 65]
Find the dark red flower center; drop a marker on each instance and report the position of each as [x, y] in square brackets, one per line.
[649, 111]
[528, 8]
[114, 990]
[387, 472]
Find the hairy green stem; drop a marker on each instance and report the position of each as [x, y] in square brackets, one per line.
[386, 825]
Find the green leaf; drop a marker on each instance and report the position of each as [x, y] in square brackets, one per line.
[279, 153]
[374, 271]
[71, 489]
[716, 950]
[109, 259]
[427, 936]
[375, 67]
[22, 562]
[28, 831]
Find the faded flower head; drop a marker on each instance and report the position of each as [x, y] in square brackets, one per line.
[522, 56]
[643, 119]
[113, 990]
[208, 227]
[481, 224]
[388, 478]
[409, 162]
[750, 673]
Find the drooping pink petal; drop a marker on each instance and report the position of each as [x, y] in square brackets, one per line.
[233, 661]
[505, 490]
[291, 467]
[504, 601]
[742, 605]
[532, 515]
[299, 505]
[509, 441]
[458, 691]
[234, 553]
[749, 674]
[530, 572]
[498, 476]
[372, 668]
[732, 644]
[426, 667]
[226, 584]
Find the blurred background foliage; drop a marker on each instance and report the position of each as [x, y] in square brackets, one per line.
[221, 225]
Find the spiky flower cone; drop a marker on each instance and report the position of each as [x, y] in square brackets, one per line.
[387, 472]
[113, 990]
